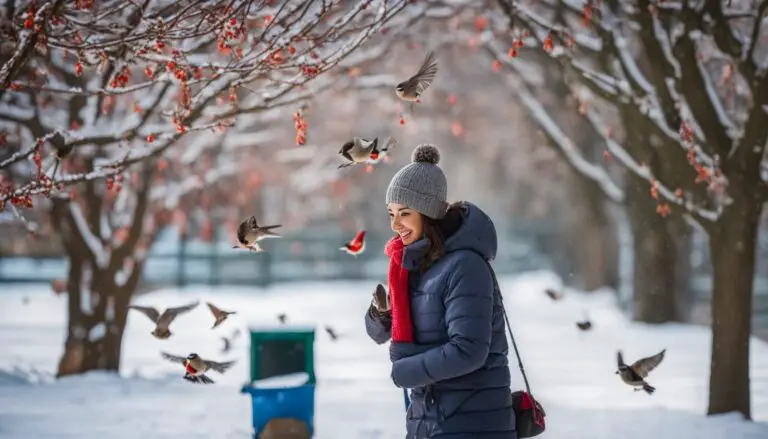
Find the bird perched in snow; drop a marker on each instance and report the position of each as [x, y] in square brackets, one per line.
[412, 89]
[554, 295]
[249, 233]
[332, 333]
[219, 314]
[584, 325]
[228, 342]
[196, 367]
[635, 374]
[163, 321]
[359, 150]
[282, 317]
[355, 246]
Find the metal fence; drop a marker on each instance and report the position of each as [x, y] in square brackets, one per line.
[313, 255]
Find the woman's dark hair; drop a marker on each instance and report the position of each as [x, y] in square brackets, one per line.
[437, 231]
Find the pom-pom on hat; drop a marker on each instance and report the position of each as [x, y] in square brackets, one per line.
[421, 184]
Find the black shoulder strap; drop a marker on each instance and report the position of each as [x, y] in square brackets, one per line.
[509, 329]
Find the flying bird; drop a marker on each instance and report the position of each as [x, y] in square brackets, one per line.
[635, 374]
[356, 246]
[163, 321]
[332, 333]
[229, 341]
[412, 89]
[282, 317]
[359, 150]
[196, 367]
[219, 314]
[554, 295]
[249, 233]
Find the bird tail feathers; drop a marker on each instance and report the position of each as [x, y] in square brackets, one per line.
[649, 389]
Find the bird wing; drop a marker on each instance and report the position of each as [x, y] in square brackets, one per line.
[644, 366]
[148, 311]
[619, 359]
[366, 143]
[172, 313]
[266, 231]
[219, 367]
[390, 143]
[214, 310]
[173, 358]
[227, 344]
[380, 298]
[247, 227]
[426, 74]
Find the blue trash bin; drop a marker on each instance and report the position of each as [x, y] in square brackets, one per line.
[283, 402]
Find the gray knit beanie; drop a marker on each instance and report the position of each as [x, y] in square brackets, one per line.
[421, 184]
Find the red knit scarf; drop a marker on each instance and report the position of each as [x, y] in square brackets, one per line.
[402, 327]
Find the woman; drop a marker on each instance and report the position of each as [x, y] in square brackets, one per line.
[445, 322]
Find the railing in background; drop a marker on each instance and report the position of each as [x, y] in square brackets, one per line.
[312, 255]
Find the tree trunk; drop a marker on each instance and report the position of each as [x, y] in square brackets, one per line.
[656, 271]
[732, 247]
[593, 238]
[96, 320]
[681, 234]
[100, 283]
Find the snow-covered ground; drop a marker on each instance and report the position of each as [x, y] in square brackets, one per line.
[571, 372]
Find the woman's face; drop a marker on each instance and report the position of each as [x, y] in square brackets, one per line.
[406, 222]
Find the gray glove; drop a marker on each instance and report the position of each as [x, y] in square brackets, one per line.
[380, 300]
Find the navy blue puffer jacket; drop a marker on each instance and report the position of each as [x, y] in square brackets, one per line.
[457, 366]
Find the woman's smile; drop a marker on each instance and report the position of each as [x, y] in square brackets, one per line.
[406, 222]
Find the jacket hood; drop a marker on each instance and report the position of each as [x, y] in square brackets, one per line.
[476, 233]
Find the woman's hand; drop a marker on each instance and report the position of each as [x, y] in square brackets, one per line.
[378, 318]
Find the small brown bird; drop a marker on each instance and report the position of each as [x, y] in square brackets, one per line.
[586, 324]
[554, 295]
[380, 299]
[219, 314]
[412, 89]
[196, 367]
[282, 317]
[356, 246]
[332, 333]
[635, 374]
[163, 321]
[360, 150]
[249, 233]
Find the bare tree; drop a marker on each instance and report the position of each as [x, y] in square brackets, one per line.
[122, 116]
[686, 83]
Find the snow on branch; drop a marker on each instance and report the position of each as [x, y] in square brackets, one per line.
[116, 84]
[642, 171]
[562, 143]
[94, 245]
